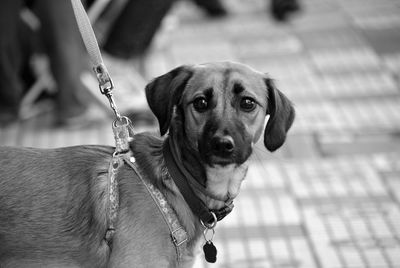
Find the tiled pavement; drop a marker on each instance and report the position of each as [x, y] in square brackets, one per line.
[330, 198]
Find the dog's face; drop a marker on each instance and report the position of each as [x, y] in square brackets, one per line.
[220, 109]
[224, 109]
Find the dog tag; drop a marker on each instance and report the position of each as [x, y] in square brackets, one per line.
[210, 252]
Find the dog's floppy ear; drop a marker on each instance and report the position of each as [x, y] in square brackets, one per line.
[164, 92]
[281, 117]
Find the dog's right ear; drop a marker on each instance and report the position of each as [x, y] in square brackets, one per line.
[281, 113]
[164, 92]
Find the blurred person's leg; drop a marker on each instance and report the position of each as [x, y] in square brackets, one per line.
[133, 31]
[11, 88]
[68, 57]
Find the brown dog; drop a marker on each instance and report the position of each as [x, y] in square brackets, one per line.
[53, 202]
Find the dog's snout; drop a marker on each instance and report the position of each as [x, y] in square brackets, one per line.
[222, 145]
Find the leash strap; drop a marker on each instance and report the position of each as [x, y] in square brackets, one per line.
[178, 234]
[89, 39]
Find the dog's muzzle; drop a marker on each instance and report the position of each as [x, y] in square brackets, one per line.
[223, 149]
[222, 146]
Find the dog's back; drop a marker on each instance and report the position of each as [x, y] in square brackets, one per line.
[39, 193]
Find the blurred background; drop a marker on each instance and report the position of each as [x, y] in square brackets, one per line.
[329, 198]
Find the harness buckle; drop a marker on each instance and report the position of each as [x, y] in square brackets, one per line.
[123, 134]
[179, 236]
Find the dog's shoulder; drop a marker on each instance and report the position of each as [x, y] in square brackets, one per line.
[147, 150]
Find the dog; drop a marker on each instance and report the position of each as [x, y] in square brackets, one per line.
[53, 202]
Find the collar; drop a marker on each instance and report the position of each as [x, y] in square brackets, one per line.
[181, 177]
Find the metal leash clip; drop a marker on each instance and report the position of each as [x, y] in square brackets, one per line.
[122, 126]
[106, 86]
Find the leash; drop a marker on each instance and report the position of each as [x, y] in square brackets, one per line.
[106, 84]
[121, 126]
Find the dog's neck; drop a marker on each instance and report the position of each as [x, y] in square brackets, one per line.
[216, 186]
[223, 182]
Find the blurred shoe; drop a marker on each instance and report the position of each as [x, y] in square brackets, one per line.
[213, 8]
[36, 101]
[281, 9]
[7, 117]
[39, 97]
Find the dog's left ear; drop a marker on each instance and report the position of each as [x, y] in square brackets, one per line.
[164, 92]
[281, 113]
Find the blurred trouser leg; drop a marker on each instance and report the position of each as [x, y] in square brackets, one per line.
[136, 26]
[11, 88]
[68, 57]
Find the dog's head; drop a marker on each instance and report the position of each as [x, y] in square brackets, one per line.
[220, 109]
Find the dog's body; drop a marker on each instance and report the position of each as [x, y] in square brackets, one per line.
[53, 202]
[54, 215]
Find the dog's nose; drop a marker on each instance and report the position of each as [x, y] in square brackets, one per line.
[222, 145]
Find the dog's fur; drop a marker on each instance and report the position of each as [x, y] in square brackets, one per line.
[53, 202]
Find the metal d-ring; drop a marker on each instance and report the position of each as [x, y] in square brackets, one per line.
[210, 225]
[205, 232]
[122, 119]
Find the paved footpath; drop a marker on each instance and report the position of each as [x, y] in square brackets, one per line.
[330, 198]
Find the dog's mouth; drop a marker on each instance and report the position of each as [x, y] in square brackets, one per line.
[236, 158]
[215, 160]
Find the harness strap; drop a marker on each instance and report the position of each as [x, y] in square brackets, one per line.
[113, 197]
[179, 235]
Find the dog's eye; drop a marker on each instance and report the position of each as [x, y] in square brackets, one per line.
[200, 104]
[247, 104]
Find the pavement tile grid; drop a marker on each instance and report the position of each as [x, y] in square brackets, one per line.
[336, 212]
[330, 198]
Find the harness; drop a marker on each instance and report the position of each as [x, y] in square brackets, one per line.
[178, 234]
